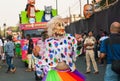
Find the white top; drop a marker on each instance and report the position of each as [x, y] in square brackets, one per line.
[103, 38]
[1, 44]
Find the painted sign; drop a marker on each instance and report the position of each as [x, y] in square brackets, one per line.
[39, 25]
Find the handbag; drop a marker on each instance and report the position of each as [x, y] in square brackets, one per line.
[115, 66]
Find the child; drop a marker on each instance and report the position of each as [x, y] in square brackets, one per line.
[37, 69]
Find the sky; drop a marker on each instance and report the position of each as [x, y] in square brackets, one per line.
[10, 9]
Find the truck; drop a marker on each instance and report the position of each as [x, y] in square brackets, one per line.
[34, 28]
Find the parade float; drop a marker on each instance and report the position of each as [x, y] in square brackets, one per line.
[33, 22]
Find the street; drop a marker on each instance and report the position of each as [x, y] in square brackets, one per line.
[21, 75]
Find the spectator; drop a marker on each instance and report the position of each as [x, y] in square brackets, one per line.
[1, 48]
[104, 36]
[113, 42]
[29, 53]
[9, 52]
[79, 43]
[89, 45]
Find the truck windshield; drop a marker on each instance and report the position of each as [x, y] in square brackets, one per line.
[34, 33]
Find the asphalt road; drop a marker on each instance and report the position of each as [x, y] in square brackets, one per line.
[21, 75]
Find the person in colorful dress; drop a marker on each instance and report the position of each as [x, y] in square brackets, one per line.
[60, 54]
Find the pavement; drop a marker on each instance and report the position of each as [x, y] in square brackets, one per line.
[81, 66]
[21, 75]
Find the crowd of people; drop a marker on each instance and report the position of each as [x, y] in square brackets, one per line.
[105, 50]
[55, 54]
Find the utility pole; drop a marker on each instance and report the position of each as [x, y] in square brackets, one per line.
[80, 8]
[87, 1]
[107, 3]
[93, 3]
[57, 6]
[70, 14]
[4, 25]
